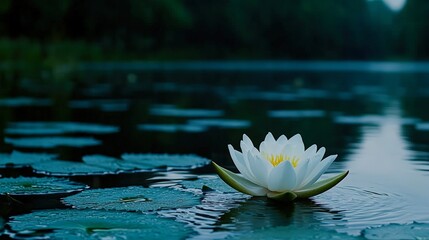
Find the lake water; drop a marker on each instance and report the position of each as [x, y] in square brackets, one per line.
[373, 115]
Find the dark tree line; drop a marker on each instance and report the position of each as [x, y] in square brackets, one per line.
[220, 29]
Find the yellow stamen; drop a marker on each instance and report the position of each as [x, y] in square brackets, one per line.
[277, 159]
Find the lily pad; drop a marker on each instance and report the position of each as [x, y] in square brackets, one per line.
[132, 199]
[174, 112]
[296, 113]
[38, 186]
[110, 163]
[214, 183]
[367, 119]
[52, 142]
[414, 230]
[24, 101]
[68, 168]
[221, 123]
[102, 165]
[19, 159]
[93, 224]
[171, 128]
[145, 162]
[176, 161]
[424, 126]
[45, 128]
[106, 105]
[370, 120]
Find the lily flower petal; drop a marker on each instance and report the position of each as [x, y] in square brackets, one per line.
[247, 141]
[310, 152]
[269, 139]
[260, 169]
[268, 145]
[294, 146]
[282, 178]
[315, 160]
[301, 171]
[319, 170]
[282, 140]
[239, 161]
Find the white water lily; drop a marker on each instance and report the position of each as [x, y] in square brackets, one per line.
[281, 169]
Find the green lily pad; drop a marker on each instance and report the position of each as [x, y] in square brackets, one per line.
[46, 128]
[132, 199]
[312, 113]
[175, 112]
[24, 101]
[110, 163]
[245, 186]
[52, 142]
[214, 183]
[295, 231]
[69, 168]
[172, 128]
[94, 224]
[102, 165]
[106, 105]
[221, 123]
[38, 186]
[414, 230]
[144, 162]
[176, 161]
[19, 159]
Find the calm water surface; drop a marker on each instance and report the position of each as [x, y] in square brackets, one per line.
[377, 121]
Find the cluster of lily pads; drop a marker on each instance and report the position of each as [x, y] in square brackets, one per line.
[128, 212]
[121, 212]
[48, 164]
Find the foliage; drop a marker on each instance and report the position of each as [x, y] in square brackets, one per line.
[76, 30]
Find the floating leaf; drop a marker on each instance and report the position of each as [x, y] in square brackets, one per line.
[424, 126]
[68, 168]
[214, 183]
[171, 128]
[174, 112]
[38, 186]
[44, 128]
[106, 105]
[151, 161]
[51, 142]
[24, 101]
[110, 163]
[102, 165]
[296, 113]
[24, 159]
[114, 105]
[93, 224]
[370, 120]
[222, 123]
[132, 199]
[145, 161]
[414, 230]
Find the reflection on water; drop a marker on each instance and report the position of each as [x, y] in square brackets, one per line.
[374, 118]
